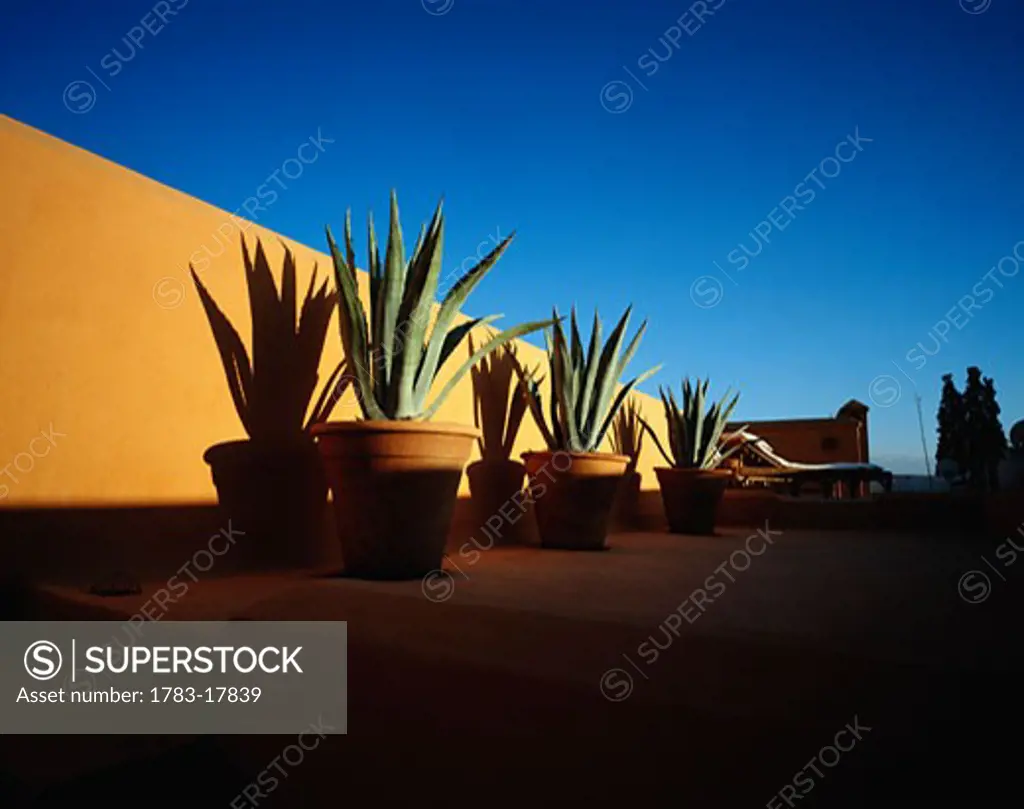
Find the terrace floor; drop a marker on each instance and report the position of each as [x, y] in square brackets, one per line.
[500, 681]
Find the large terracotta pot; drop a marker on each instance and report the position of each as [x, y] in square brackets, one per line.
[394, 485]
[276, 500]
[572, 495]
[627, 501]
[691, 498]
[496, 488]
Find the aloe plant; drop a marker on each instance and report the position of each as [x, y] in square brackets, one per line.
[393, 359]
[695, 432]
[272, 393]
[584, 400]
[628, 434]
[499, 403]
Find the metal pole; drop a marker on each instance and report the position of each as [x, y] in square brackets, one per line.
[924, 442]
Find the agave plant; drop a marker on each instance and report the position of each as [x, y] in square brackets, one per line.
[696, 437]
[499, 403]
[393, 359]
[628, 434]
[272, 393]
[584, 400]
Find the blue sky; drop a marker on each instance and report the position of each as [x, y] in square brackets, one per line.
[684, 157]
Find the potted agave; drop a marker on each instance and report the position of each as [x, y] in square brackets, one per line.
[499, 406]
[394, 475]
[692, 485]
[272, 486]
[628, 439]
[572, 483]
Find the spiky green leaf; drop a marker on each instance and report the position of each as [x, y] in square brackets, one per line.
[448, 312]
[353, 326]
[496, 341]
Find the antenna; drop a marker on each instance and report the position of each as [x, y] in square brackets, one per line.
[924, 442]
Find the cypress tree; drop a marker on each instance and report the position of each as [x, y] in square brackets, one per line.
[950, 446]
[975, 431]
[995, 438]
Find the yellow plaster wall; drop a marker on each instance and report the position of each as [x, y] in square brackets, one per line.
[104, 345]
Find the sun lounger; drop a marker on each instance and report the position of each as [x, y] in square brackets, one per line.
[767, 467]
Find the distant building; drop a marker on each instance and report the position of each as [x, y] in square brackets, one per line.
[840, 439]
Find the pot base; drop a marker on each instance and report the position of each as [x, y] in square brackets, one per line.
[394, 486]
[691, 498]
[572, 495]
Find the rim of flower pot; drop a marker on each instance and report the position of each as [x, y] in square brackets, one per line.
[495, 462]
[397, 426]
[603, 456]
[223, 449]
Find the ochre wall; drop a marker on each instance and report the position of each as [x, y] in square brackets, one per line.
[104, 345]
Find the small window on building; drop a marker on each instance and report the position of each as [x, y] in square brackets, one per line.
[830, 444]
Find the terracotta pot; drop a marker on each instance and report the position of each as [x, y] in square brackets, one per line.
[496, 486]
[627, 501]
[572, 495]
[691, 498]
[276, 500]
[394, 485]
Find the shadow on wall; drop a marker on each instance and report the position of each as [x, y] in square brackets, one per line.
[627, 438]
[274, 483]
[272, 492]
[496, 480]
